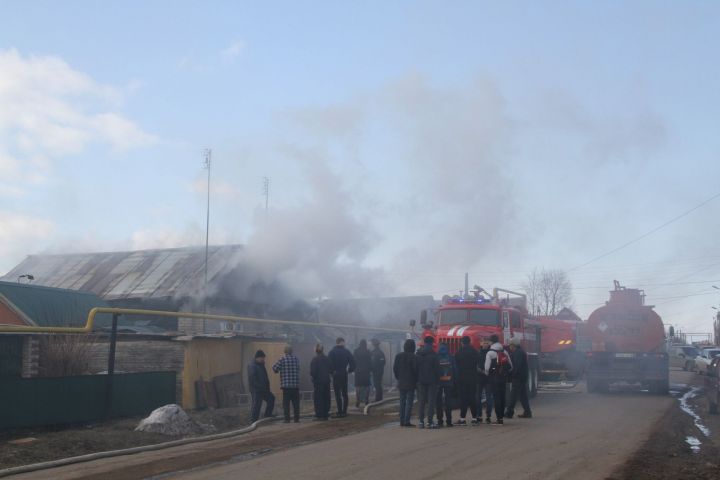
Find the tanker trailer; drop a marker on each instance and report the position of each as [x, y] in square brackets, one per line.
[626, 342]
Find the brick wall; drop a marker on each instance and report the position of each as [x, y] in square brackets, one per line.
[30, 357]
[140, 355]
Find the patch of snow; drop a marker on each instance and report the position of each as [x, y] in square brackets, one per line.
[172, 420]
[694, 444]
[685, 406]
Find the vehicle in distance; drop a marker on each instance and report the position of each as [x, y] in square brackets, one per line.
[712, 385]
[683, 356]
[702, 361]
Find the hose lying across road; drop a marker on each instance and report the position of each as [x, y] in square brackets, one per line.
[158, 446]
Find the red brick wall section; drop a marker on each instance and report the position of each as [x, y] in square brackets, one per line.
[8, 316]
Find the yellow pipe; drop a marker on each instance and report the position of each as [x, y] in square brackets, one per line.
[159, 313]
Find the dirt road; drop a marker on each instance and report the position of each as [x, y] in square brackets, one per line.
[574, 435]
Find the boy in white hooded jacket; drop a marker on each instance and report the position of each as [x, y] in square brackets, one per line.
[497, 366]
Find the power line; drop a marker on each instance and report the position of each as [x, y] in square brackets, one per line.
[647, 234]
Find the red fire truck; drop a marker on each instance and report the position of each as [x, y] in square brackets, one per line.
[560, 357]
[481, 315]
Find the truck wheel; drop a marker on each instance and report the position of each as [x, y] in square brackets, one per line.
[591, 386]
[533, 383]
[662, 388]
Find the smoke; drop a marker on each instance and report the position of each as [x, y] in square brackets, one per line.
[457, 154]
[314, 248]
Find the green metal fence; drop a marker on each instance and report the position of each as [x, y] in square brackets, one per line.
[10, 356]
[30, 402]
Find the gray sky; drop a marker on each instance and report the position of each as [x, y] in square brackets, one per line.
[406, 143]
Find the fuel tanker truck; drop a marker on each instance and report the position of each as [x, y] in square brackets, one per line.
[626, 344]
[481, 315]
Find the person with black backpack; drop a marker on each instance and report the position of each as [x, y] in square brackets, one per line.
[484, 385]
[446, 385]
[498, 366]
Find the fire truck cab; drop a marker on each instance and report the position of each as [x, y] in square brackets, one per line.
[479, 317]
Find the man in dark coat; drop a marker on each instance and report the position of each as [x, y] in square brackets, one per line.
[428, 368]
[378, 368]
[321, 372]
[405, 370]
[466, 360]
[343, 363]
[259, 386]
[518, 380]
[363, 366]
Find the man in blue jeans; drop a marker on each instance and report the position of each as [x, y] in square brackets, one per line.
[405, 370]
[289, 369]
[259, 386]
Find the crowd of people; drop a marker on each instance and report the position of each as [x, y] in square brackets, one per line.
[477, 378]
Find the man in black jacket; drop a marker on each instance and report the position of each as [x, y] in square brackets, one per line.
[428, 369]
[363, 367]
[377, 357]
[466, 360]
[259, 386]
[343, 363]
[518, 380]
[405, 370]
[321, 372]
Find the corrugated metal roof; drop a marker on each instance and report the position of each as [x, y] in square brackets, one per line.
[140, 274]
[51, 307]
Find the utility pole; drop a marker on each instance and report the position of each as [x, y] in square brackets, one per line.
[266, 192]
[207, 164]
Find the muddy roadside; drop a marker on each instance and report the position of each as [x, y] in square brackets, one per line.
[267, 439]
[27, 446]
[684, 443]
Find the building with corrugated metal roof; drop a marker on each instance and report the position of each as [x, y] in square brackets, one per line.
[168, 279]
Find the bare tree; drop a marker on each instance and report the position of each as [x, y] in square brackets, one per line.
[548, 291]
[64, 355]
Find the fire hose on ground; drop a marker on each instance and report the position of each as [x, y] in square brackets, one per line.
[158, 446]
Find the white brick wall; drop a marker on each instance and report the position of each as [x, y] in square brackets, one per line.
[30, 357]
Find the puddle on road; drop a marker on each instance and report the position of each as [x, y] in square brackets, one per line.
[694, 443]
[685, 407]
[235, 459]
